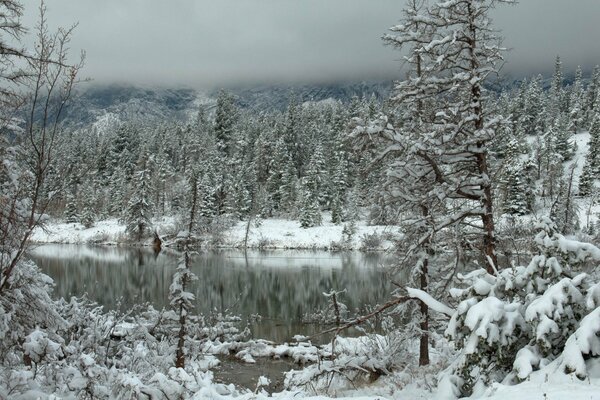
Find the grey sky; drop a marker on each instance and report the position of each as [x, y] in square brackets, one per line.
[220, 42]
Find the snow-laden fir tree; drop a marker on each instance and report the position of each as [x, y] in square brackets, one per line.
[71, 213]
[226, 115]
[139, 210]
[338, 185]
[561, 137]
[309, 210]
[410, 176]
[207, 209]
[463, 50]
[593, 154]
[88, 215]
[288, 189]
[592, 97]
[586, 180]
[515, 202]
[117, 192]
[577, 103]
[556, 90]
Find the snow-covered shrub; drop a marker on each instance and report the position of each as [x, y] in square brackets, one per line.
[371, 241]
[350, 362]
[334, 313]
[525, 317]
[25, 305]
[38, 347]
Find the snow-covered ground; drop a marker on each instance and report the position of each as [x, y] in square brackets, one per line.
[107, 231]
[269, 233]
[287, 234]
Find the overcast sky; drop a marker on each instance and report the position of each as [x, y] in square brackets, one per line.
[222, 42]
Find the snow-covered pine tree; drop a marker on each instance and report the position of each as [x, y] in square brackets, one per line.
[338, 183]
[586, 180]
[556, 90]
[592, 97]
[226, 116]
[410, 176]
[515, 202]
[465, 50]
[287, 191]
[577, 103]
[139, 210]
[292, 134]
[593, 154]
[71, 213]
[88, 216]
[308, 209]
[207, 208]
[562, 138]
[116, 194]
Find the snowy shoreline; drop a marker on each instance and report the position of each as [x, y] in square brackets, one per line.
[268, 234]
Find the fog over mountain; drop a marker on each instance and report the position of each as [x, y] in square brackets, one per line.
[257, 42]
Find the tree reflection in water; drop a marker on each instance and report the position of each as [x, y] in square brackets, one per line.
[281, 286]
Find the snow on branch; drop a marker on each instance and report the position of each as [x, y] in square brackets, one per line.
[430, 301]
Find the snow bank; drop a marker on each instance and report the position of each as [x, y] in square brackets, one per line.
[109, 231]
[287, 234]
[269, 234]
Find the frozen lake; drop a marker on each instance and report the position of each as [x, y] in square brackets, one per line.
[281, 286]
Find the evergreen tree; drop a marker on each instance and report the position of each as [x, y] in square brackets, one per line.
[593, 155]
[556, 89]
[139, 210]
[310, 213]
[207, 209]
[288, 186]
[226, 116]
[454, 148]
[71, 214]
[117, 190]
[586, 180]
[315, 174]
[591, 96]
[577, 103]
[87, 214]
[515, 203]
[561, 139]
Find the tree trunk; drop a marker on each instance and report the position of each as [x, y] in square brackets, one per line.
[180, 355]
[194, 204]
[424, 343]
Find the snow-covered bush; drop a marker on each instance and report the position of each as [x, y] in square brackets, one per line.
[371, 241]
[25, 305]
[523, 318]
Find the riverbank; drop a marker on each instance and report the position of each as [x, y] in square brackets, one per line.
[259, 234]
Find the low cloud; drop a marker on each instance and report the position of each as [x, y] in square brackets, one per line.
[230, 42]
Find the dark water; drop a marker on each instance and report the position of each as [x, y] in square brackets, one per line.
[281, 286]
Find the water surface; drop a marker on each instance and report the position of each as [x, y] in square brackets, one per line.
[281, 286]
